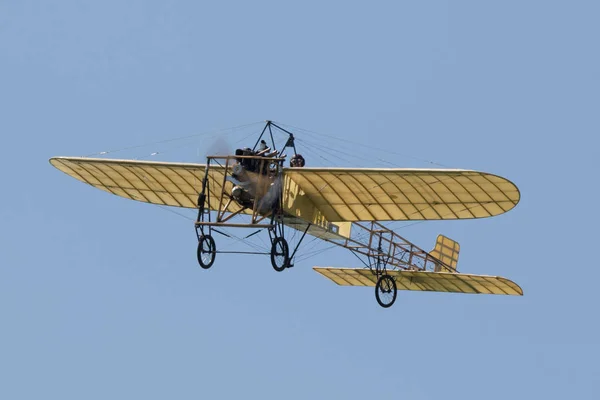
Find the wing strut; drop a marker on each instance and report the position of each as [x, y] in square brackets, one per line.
[298, 245]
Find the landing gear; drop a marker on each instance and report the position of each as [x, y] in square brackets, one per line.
[252, 184]
[386, 291]
[280, 254]
[207, 251]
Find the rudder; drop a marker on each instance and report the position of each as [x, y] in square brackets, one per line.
[446, 250]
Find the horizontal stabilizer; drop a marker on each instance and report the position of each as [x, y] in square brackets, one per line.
[425, 281]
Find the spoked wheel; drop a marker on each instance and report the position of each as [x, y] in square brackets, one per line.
[386, 291]
[280, 254]
[206, 251]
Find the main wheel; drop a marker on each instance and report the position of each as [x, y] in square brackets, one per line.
[206, 251]
[386, 291]
[280, 254]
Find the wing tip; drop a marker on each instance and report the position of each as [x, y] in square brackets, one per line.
[511, 284]
[57, 160]
[514, 199]
[58, 163]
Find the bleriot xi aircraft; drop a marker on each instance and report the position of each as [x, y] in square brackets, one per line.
[343, 206]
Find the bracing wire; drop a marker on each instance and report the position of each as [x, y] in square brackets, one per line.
[237, 238]
[218, 131]
[346, 141]
[323, 151]
[336, 153]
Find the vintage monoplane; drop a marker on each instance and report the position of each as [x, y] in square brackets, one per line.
[346, 207]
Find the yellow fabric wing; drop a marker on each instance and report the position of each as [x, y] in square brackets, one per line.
[165, 183]
[404, 194]
[425, 281]
[334, 194]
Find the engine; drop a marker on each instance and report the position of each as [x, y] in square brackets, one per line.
[257, 174]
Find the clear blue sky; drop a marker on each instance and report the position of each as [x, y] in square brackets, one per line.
[101, 297]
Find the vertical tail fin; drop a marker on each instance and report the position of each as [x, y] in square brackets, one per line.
[446, 250]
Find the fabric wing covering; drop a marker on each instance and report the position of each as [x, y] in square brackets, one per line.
[404, 194]
[339, 194]
[164, 183]
[425, 281]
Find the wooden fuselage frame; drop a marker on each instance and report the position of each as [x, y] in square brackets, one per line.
[269, 171]
[382, 247]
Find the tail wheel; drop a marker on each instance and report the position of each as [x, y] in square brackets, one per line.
[386, 291]
[280, 254]
[206, 251]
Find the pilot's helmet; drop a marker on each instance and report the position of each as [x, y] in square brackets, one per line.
[297, 161]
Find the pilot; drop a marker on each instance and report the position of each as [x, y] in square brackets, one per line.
[262, 146]
[297, 161]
